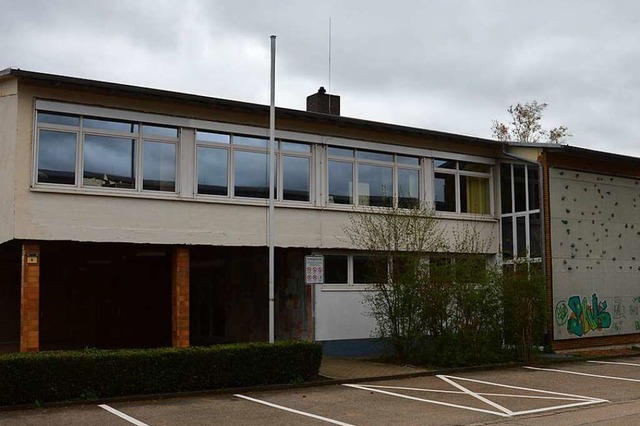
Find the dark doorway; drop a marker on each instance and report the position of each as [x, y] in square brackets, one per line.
[10, 271]
[104, 296]
[228, 295]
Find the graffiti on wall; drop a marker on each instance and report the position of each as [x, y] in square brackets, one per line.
[583, 316]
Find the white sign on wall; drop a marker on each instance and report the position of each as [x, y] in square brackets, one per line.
[314, 269]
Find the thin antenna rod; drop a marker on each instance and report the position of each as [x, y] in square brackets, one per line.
[329, 85]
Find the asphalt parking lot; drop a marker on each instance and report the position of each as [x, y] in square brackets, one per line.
[580, 393]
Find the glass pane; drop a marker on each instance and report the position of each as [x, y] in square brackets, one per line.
[408, 188]
[212, 137]
[169, 132]
[375, 185]
[521, 238]
[56, 157]
[534, 235]
[295, 178]
[369, 270]
[249, 141]
[377, 156]
[474, 195]
[112, 125]
[109, 162]
[340, 152]
[445, 192]
[62, 119]
[534, 188]
[402, 159]
[444, 164]
[340, 182]
[519, 188]
[212, 171]
[474, 167]
[505, 188]
[507, 237]
[159, 166]
[251, 174]
[295, 147]
[336, 269]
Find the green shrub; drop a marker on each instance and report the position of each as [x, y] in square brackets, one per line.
[90, 374]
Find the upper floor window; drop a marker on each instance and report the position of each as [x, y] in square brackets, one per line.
[520, 206]
[101, 153]
[380, 178]
[462, 186]
[238, 166]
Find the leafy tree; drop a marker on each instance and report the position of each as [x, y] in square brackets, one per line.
[525, 125]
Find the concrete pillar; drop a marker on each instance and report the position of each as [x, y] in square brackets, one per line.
[30, 298]
[180, 297]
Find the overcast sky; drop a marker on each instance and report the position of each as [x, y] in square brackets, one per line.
[444, 65]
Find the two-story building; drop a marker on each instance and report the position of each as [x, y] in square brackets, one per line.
[135, 217]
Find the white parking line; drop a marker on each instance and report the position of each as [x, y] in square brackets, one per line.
[615, 363]
[413, 398]
[122, 415]
[626, 379]
[576, 400]
[291, 410]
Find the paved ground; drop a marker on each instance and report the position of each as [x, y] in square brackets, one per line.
[581, 393]
[349, 368]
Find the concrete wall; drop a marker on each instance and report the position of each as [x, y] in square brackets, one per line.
[8, 131]
[595, 240]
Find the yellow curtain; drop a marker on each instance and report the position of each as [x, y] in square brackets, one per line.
[477, 195]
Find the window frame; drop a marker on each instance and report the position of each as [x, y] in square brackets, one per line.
[457, 172]
[81, 132]
[355, 162]
[527, 214]
[231, 147]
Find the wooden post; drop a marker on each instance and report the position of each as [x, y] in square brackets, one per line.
[180, 298]
[30, 298]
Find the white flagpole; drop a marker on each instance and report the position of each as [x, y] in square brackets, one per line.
[272, 167]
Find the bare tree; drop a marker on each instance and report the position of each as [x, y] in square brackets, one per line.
[398, 240]
[525, 125]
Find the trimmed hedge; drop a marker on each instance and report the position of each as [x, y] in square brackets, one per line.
[91, 374]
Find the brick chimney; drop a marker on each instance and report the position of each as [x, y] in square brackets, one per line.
[323, 103]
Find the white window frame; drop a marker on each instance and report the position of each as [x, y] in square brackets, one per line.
[394, 165]
[457, 173]
[232, 148]
[527, 213]
[80, 132]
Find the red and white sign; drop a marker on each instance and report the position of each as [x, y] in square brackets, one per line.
[314, 269]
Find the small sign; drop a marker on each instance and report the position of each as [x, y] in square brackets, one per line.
[32, 259]
[314, 269]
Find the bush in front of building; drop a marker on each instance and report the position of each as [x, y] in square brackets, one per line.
[91, 374]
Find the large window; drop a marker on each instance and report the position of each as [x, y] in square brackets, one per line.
[238, 166]
[114, 153]
[462, 187]
[520, 207]
[381, 179]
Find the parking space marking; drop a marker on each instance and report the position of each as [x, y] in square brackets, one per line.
[122, 415]
[615, 363]
[291, 410]
[413, 398]
[575, 400]
[626, 379]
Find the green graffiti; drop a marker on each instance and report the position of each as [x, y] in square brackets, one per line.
[585, 318]
[637, 325]
[562, 312]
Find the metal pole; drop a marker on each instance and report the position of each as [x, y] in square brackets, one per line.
[272, 167]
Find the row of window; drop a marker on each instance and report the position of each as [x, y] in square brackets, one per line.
[85, 151]
[361, 269]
